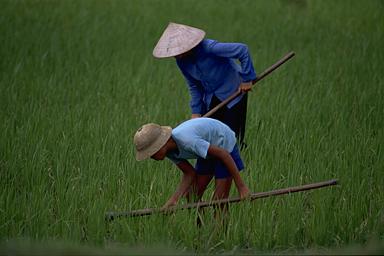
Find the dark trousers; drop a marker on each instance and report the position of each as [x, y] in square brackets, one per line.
[234, 117]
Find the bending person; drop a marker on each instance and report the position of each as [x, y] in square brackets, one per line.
[211, 72]
[199, 138]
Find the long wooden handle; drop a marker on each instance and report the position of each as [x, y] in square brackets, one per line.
[113, 215]
[260, 77]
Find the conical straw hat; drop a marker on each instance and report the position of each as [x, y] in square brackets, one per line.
[177, 39]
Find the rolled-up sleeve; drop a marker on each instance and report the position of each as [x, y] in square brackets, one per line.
[200, 148]
[196, 92]
[235, 51]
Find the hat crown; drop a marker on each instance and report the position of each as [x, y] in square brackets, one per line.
[146, 135]
[177, 39]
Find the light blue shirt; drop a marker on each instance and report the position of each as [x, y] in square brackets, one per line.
[212, 70]
[193, 138]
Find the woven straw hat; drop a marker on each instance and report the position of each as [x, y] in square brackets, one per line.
[177, 39]
[149, 139]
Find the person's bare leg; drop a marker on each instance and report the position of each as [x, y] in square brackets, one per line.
[198, 188]
[222, 188]
[196, 192]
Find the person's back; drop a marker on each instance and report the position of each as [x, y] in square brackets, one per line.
[194, 136]
[217, 74]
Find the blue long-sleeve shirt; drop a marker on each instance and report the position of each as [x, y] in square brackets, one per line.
[212, 70]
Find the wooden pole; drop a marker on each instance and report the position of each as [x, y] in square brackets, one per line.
[143, 212]
[260, 77]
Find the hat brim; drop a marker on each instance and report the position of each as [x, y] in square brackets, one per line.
[161, 54]
[166, 132]
[177, 39]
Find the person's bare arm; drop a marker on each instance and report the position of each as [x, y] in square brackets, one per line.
[195, 116]
[226, 158]
[187, 179]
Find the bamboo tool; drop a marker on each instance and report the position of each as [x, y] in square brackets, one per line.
[113, 215]
[262, 75]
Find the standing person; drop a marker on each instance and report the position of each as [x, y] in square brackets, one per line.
[198, 138]
[211, 72]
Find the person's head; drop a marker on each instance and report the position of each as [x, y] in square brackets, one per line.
[177, 41]
[150, 141]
